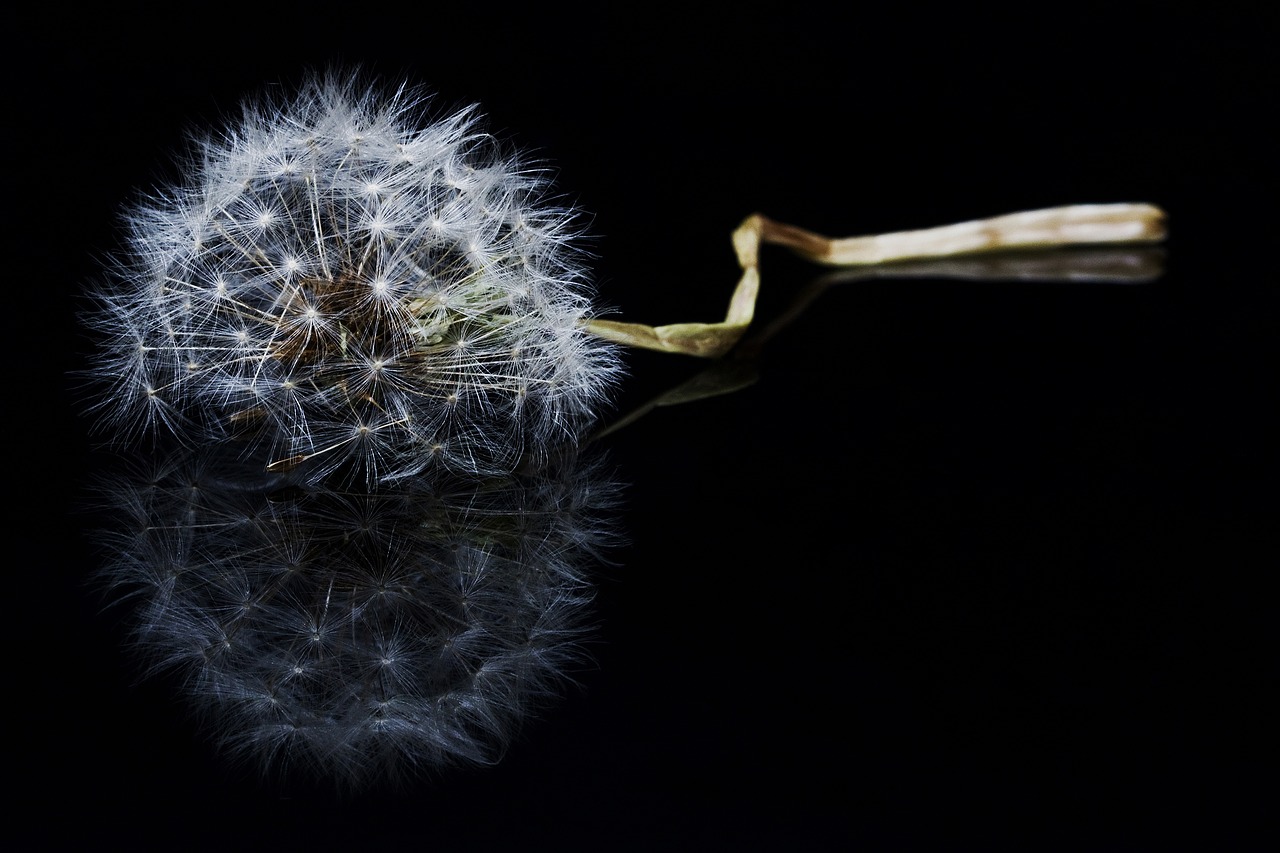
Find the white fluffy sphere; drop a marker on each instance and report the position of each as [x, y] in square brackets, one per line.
[357, 285]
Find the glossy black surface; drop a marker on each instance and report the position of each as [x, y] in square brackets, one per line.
[970, 564]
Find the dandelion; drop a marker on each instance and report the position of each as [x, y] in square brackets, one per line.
[347, 280]
[357, 284]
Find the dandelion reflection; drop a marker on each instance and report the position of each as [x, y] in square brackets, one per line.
[359, 632]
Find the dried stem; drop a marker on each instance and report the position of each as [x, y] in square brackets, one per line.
[1056, 227]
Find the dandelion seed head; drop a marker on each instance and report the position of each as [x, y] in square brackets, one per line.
[345, 220]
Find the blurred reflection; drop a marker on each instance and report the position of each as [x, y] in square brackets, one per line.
[1100, 265]
[359, 632]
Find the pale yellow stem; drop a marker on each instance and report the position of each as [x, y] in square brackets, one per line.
[1074, 225]
[1081, 224]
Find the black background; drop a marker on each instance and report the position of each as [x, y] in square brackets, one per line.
[971, 565]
